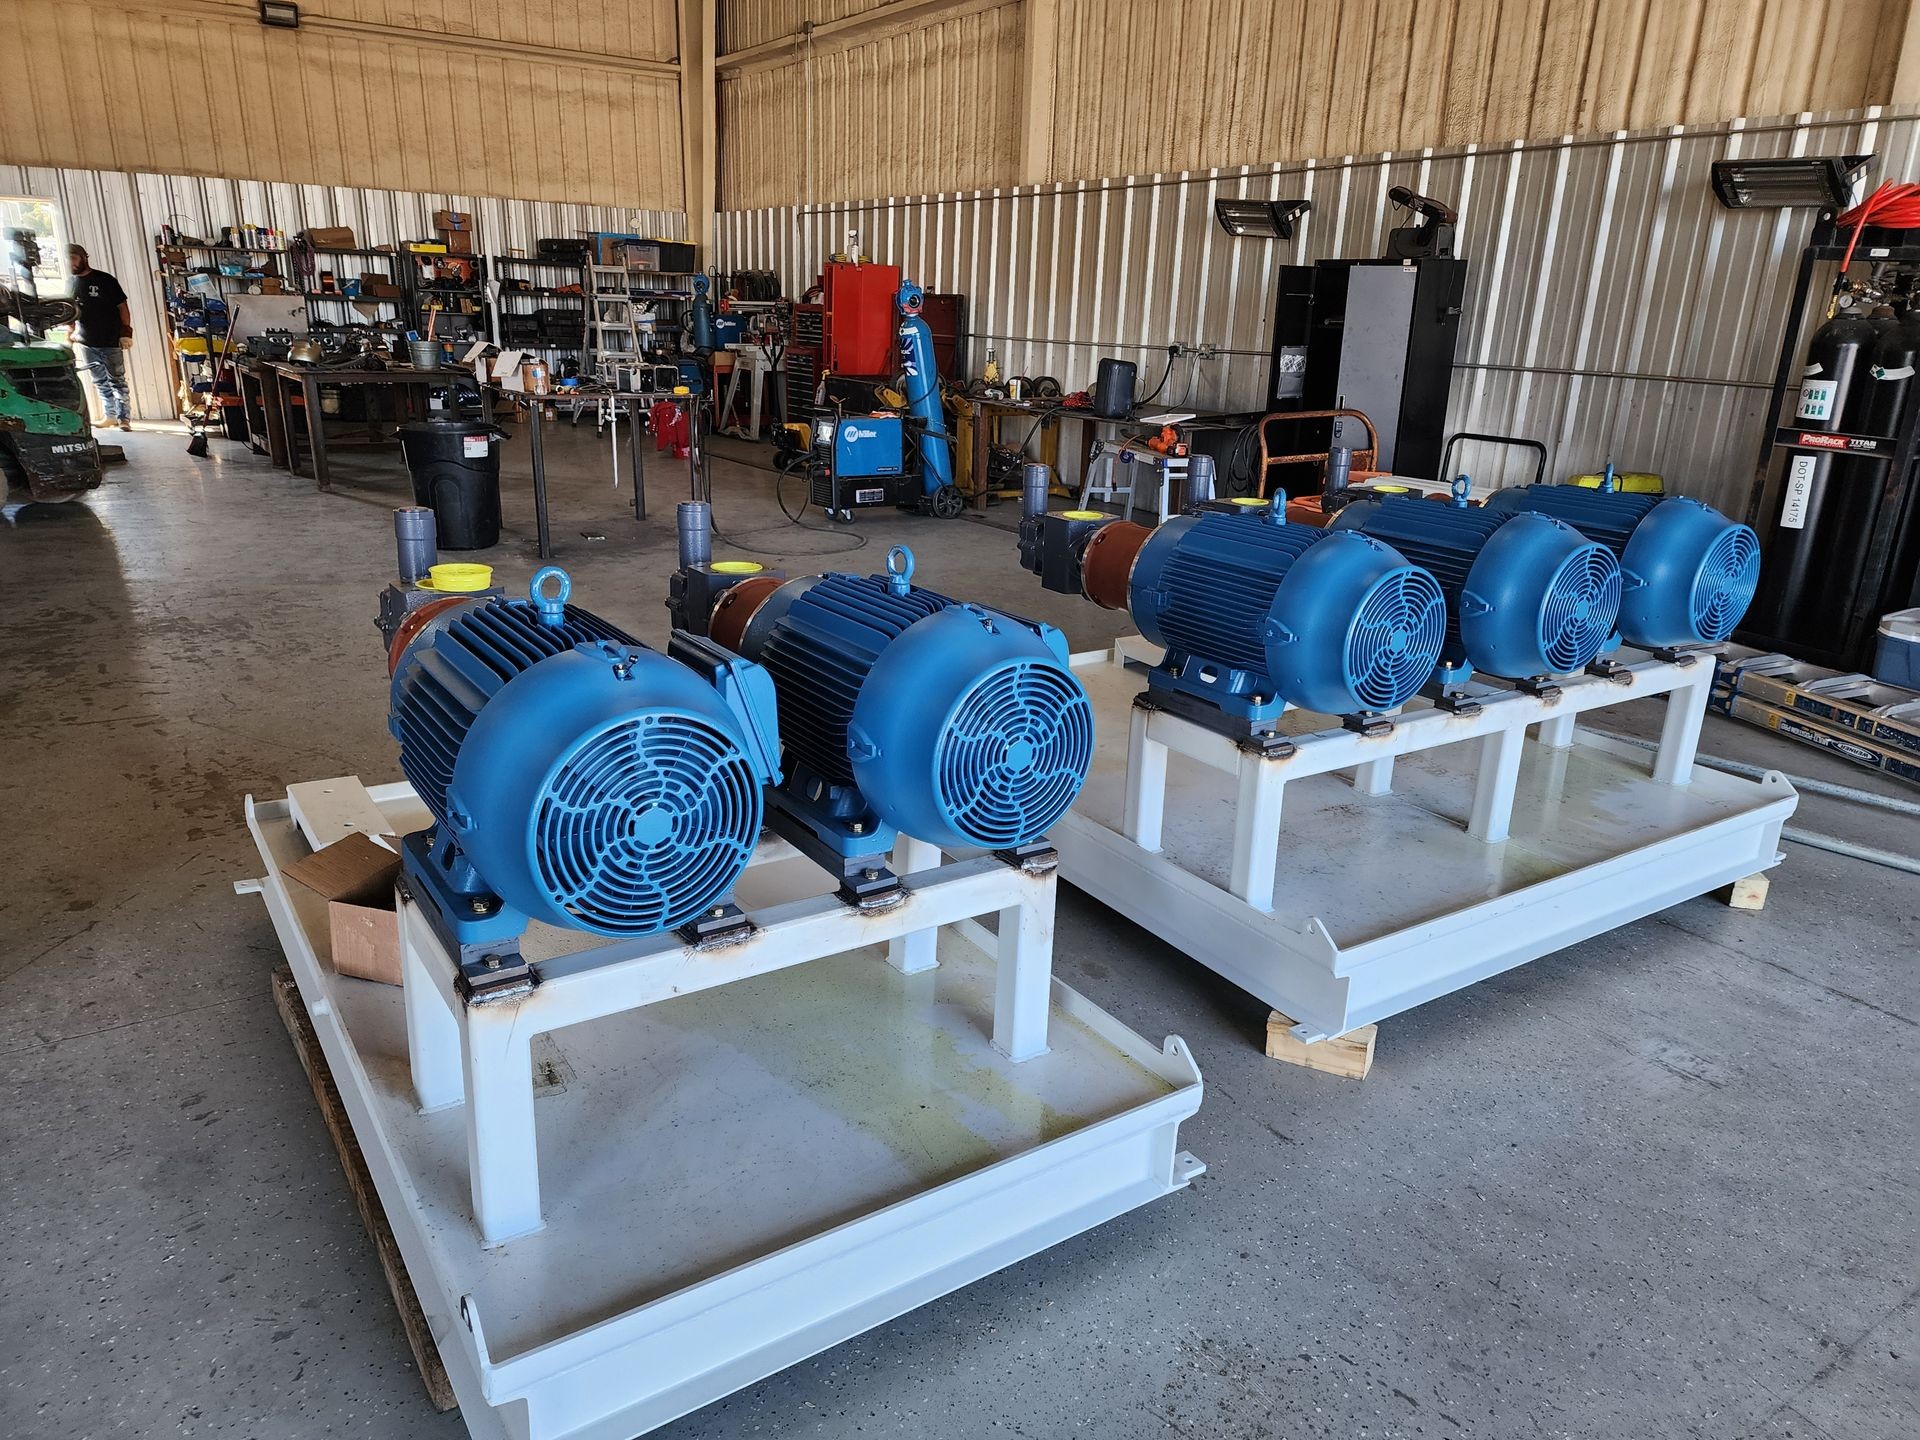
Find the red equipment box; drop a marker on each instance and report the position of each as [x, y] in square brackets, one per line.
[860, 305]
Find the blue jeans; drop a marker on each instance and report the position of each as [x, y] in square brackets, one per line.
[107, 364]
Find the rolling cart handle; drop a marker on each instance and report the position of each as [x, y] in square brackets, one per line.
[1514, 441]
[1363, 457]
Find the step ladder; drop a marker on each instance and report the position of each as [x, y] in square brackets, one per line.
[613, 337]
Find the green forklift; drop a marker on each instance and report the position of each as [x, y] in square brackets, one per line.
[46, 444]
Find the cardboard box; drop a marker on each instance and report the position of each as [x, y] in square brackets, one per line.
[458, 242]
[452, 220]
[331, 237]
[355, 876]
[534, 378]
[426, 247]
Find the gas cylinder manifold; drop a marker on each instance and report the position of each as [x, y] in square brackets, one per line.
[576, 777]
[903, 712]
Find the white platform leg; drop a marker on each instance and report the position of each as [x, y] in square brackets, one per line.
[1375, 777]
[1146, 785]
[1256, 831]
[1494, 786]
[1557, 733]
[1680, 731]
[910, 954]
[1023, 983]
[503, 1162]
[433, 1032]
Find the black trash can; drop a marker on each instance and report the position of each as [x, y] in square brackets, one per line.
[455, 464]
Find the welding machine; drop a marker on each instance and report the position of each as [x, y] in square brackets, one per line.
[860, 461]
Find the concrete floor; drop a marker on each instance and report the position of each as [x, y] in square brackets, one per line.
[1661, 1184]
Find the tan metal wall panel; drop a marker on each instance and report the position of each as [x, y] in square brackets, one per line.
[1613, 309]
[635, 29]
[745, 23]
[1344, 77]
[922, 105]
[1164, 85]
[116, 215]
[210, 91]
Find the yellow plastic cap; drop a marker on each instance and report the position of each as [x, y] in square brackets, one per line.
[1082, 515]
[736, 567]
[1250, 500]
[1626, 482]
[460, 579]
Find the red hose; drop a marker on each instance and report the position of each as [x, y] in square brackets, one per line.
[1892, 206]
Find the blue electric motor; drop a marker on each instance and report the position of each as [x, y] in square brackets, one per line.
[1257, 613]
[578, 777]
[905, 711]
[1688, 572]
[1526, 594]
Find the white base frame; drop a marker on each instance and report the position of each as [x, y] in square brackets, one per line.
[1411, 896]
[574, 1367]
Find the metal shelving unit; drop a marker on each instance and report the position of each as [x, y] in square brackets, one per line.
[545, 338]
[181, 296]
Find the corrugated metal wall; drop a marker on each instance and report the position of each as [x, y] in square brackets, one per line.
[551, 102]
[1336, 77]
[1166, 85]
[745, 23]
[1614, 309]
[934, 101]
[117, 215]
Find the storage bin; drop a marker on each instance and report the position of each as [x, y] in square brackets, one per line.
[1897, 660]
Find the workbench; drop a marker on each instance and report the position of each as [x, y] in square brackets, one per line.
[266, 433]
[574, 401]
[979, 428]
[283, 380]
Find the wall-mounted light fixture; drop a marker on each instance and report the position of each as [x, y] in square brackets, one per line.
[281, 14]
[1267, 219]
[1823, 180]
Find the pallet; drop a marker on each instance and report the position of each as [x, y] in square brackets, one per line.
[306, 1044]
[1349, 1056]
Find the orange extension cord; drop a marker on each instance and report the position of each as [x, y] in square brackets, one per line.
[1893, 206]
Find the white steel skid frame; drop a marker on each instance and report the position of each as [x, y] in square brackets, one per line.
[1341, 957]
[613, 1375]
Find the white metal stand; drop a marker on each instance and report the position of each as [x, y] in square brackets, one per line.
[1389, 888]
[481, 1055]
[763, 1148]
[1169, 472]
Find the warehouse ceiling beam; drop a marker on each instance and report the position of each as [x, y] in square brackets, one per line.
[699, 133]
[245, 12]
[1042, 28]
[836, 33]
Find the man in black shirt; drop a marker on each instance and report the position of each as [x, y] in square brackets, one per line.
[103, 335]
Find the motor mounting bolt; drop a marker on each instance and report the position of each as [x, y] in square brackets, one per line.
[480, 905]
[870, 874]
[858, 827]
[492, 962]
[718, 911]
